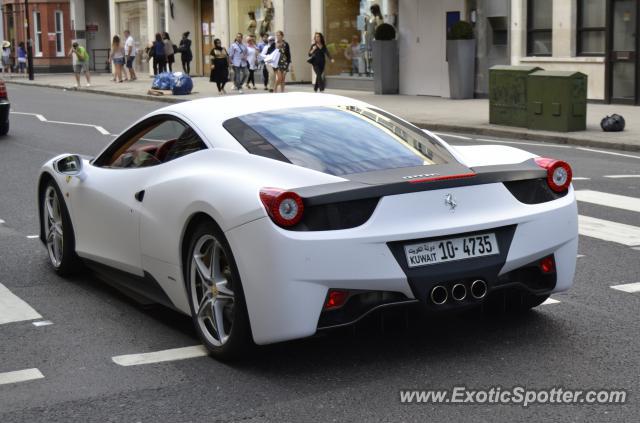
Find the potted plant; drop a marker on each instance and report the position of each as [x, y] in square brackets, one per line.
[385, 60]
[461, 55]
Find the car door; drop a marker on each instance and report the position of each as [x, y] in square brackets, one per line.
[107, 204]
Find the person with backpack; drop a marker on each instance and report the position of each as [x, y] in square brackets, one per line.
[80, 58]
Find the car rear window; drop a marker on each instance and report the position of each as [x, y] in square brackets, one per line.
[339, 140]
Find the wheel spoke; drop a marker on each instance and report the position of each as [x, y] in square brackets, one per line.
[202, 270]
[56, 247]
[218, 307]
[224, 292]
[205, 308]
[216, 255]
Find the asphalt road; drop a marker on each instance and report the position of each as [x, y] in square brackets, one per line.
[589, 339]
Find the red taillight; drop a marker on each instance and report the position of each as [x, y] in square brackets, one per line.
[284, 207]
[336, 298]
[442, 178]
[3, 90]
[548, 265]
[559, 173]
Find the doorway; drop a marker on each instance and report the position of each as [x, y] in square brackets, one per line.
[207, 29]
[622, 52]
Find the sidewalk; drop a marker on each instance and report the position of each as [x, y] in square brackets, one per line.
[435, 113]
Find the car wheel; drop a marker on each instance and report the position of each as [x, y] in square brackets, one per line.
[215, 293]
[58, 231]
[4, 129]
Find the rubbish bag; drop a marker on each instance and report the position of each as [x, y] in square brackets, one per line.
[183, 84]
[163, 81]
[613, 123]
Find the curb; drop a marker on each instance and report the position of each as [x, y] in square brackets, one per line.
[504, 132]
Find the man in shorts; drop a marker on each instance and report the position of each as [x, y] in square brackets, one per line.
[130, 54]
[80, 58]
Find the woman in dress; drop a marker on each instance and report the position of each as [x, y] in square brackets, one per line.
[186, 55]
[219, 66]
[252, 62]
[116, 55]
[317, 53]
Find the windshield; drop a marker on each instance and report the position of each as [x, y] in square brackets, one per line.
[337, 140]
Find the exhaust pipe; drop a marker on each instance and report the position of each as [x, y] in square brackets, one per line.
[459, 292]
[479, 289]
[439, 295]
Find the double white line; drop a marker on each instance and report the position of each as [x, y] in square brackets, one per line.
[44, 119]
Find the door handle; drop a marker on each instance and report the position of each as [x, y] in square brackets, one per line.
[139, 195]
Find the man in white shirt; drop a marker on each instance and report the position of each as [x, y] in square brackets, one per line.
[238, 58]
[130, 54]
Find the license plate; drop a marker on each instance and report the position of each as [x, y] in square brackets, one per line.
[452, 249]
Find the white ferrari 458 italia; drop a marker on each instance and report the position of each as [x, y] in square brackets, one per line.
[267, 218]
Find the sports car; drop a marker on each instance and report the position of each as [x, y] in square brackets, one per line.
[270, 217]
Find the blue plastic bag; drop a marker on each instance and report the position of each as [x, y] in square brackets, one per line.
[183, 84]
[163, 81]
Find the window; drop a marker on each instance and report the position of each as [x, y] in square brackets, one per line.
[591, 27]
[38, 33]
[158, 141]
[337, 140]
[59, 33]
[539, 24]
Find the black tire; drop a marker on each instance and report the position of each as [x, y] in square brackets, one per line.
[240, 340]
[69, 262]
[4, 129]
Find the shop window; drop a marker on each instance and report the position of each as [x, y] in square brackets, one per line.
[59, 33]
[37, 22]
[251, 17]
[591, 27]
[539, 24]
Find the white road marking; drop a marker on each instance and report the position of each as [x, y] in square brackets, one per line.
[41, 118]
[42, 323]
[460, 137]
[580, 256]
[550, 301]
[621, 176]
[33, 236]
[607, 152]
[161, 356]
[20, 376]
[523, 143]
[579, 178]
[610, 200]
[609, 231]
[14, 309]
[2, 222]
[628, 287]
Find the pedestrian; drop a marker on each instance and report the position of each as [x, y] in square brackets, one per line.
[130, 52]
[186, 55]
[253, 24]
[22, 58]
[252, 61]
[6, 57]
[116, 56]
[285, 59]
[354, 54]
[281, 65]
[268, 72]
[80, 60]
[238, 58]
[159, 57]
[219, 66]
[317, 53]
[169, 50]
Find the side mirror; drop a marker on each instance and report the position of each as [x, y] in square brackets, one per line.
[70, 165]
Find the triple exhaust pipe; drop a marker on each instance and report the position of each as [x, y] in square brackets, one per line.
[477, 290]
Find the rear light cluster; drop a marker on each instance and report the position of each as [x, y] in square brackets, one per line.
[336, 298]
[559, 173]
[548, 264]
[3, 91]
[284, 207]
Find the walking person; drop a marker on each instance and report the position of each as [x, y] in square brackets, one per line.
[6, 57]
[130, 52]
[169, 51]
[238, 58]
[80, 60]
[186, 55]
[264, 41]
[281, 65]
[22, 58]
[252, 62]
[353, 54]
[268, 72]
[285, 58]
[159, 58]
[317, 53]
[116, 56]
[219, 66]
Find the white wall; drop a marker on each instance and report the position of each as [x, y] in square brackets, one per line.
[422, 41]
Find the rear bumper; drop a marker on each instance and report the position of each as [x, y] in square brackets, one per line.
[286, 275]
[5, 108]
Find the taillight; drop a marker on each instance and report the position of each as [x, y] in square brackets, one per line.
[3, 90]
[559, 173]
[336, 298]
[284, 207]
[548, 265]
